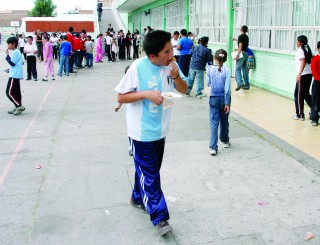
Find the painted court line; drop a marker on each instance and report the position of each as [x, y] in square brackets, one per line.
[9, 164]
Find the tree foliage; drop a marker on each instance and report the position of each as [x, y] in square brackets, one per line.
[43, 8]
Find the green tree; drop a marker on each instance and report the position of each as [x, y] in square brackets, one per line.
[43, 8]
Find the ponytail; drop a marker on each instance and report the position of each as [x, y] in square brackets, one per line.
[307, 52]
[305, 48]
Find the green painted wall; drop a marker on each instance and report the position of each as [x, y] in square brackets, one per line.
[274, 72]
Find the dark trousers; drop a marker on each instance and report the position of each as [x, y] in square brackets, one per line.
[108, 51]
[184, 63]
[147, 187]
[122, 52]
[113, 54]
[13, 91]
[32, 67]
[128, 48]
[55, 52]
[71, 63]
[302, 93]
[78, 58]
[315, 104]
[24, 55]
[135, 52]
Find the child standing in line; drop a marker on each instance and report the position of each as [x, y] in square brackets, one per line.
[15, 74]
[114, 50]
[48, 59]
[315, 104]
[65, 55]
[219, 81]
[304, 77]
[89, 46]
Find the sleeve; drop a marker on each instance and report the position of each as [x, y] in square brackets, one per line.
[240, 39]
[227, 89]
[208, 76]
[129, 82]
[8, 59]
[300, 54]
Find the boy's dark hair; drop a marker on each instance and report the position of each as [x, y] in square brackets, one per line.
[89, 37]
[20, 35]
[77, 35]
[125, 70]
[304, 46]
[65, 37]
[12, 40]
[30, 37]
[244, 29]
[221, 56]
[318, 45]
[155, 41]
[176, 33]
[184, 32]
[70, 29]
[204, 41]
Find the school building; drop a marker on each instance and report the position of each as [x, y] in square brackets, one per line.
[273, 25]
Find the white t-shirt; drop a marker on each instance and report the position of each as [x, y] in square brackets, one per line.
[21, 42]
[300, 55]
[146, 121]
[30, 48]
[175, 43]
[108, 40]
[54, 41]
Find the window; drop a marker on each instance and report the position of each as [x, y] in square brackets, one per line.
[156, 17]
[208, 18]
[275, 24]
[175, 16]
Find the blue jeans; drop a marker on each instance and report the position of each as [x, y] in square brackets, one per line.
[89, 60]
[198, 74]
[64, 61]
[218, 115]
[242, 71]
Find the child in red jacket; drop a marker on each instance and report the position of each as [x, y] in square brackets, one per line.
[315, 104]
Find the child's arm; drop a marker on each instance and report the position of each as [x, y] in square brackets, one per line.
[8, 59]
[117, 108]
[227, 93]
[132, 97]
[208, 77]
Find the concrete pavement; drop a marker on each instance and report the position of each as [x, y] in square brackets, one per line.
[252, 193]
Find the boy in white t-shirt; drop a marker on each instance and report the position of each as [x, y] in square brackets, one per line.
[148, 122]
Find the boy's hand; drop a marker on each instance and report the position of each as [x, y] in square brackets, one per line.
[155, 97]
[174, 71]
[226, 109]
[7, 52]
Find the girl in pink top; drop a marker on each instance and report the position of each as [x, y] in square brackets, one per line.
[47, 57]
[99, 49]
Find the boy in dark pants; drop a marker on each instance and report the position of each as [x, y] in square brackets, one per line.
[30, 50]
[315, 103]
[13, 88]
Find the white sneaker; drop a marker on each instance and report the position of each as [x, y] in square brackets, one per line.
[225, 144]
[295, 117]
[213, 152]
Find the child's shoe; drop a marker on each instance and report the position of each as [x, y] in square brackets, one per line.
[213, 152]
